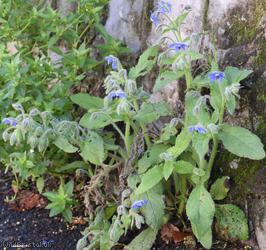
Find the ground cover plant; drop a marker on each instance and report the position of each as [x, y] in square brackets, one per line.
[45, 56]
[133, 181]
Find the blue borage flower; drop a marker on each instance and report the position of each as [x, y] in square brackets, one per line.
[10, 121]
[139, 204]
[155, 18]
[216, 76]
[178, 46]
[161, 8]
[112, 60]
[198, 128]
[116, 95]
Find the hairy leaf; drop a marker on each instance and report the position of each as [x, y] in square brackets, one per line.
[153, 211]
[219, 188]
[150, 112]
[241, 142]
[62, 143]
[235, 75]
[200, 210]
[166, 78]
[87, 101]
[200, 143]
[183, 167]
[151, 157]
[182, 142]
[168, 168]
[148, 180]
[143, 241]
[92, 150]
[145, 63]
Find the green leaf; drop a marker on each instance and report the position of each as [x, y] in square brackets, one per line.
[216, 97]
[62, 143]
[148, 180]
[231, 104]
[150, 112]
[219, 188]
[55, 210]
[151, 157]
[143, 241]
[168, 168]
[95, 120]
[182, 142]
[200, 210]
[71, 167]
[231, 222]
[200, 142]
[67, 213]
[153, 211]
[68, 188]
[183, 167]
[168, 131]
[241, 142]
[193, 55]
[40, 184]
[145, 63]
[93, 150]
[200, 81]
[235, 75]
[87, 101]
[166, 78]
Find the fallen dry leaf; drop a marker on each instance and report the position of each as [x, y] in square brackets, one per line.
[27, 200]
[169, 233]
[78, 221]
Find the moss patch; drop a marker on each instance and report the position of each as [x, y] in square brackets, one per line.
[244, 26]
[242, 173]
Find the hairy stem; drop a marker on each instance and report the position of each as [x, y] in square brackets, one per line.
[146, 136]
[188, 78]
[183, 195]
[127, 137]
[215, 139]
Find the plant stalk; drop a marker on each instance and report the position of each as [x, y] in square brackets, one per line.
[183, 195]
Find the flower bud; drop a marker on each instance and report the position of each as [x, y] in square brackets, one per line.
[33, 141]
[130, 87]
[123, 107]
[34, 112]
[13, 138]
[25, 123]
[17, 106]
[43, 143]
[179, 64]
[6, 135]
[121, 210]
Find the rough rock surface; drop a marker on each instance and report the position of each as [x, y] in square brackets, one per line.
[236, 29]
[128, 22]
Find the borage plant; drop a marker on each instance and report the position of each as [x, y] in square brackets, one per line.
[191, 159]
[186, 165]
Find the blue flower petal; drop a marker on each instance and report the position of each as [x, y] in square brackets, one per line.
[112, 60]
[216, 76]
[116, 95]
[178, 46]
[139, 204]
[198, 128]
[10, 121]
